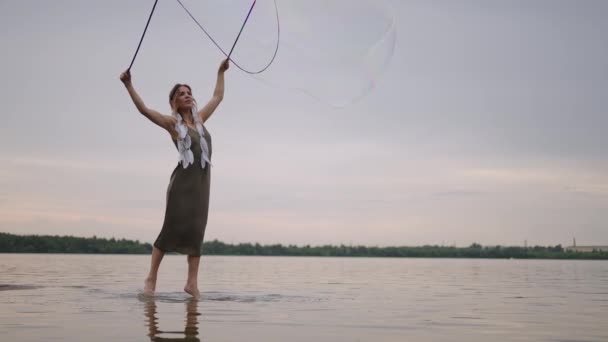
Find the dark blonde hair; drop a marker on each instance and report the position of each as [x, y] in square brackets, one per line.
[173, 92]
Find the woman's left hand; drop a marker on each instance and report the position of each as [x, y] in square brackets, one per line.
[225, 65]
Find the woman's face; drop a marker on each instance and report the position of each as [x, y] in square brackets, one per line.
[183, 98]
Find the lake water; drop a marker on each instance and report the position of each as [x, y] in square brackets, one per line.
[97, 298]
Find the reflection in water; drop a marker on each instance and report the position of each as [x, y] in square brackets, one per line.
[10, 287]
[190, 332]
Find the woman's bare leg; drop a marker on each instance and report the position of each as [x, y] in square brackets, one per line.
[150, 283]
[192, 282]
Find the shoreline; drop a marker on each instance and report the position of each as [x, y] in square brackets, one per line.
[47, 244]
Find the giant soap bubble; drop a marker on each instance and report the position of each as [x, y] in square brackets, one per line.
[332, 50]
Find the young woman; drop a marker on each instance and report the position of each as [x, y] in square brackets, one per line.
[187, 201]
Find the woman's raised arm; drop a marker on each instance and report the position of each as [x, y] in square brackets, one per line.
[218, 93]
[165, 121]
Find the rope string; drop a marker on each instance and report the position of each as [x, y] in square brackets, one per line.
[276, 49]
[228, 55]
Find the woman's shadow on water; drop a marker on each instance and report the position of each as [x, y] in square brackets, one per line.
[190, 332]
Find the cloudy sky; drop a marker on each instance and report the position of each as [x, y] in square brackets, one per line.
[488, 124]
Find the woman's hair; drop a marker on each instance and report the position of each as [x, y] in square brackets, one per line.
[173, 92]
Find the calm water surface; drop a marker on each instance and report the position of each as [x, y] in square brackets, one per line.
[98, 298]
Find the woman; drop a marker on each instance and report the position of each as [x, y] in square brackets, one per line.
[187, 202]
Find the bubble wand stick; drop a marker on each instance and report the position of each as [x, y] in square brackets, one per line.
[142, 36]
[242, 27]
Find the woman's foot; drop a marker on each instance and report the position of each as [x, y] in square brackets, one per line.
[192, 289]
[149, 286]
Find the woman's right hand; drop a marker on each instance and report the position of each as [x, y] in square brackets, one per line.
[125, 77]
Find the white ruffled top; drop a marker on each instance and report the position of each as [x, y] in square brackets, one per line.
[186, 157]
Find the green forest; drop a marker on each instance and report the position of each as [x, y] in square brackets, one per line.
[10, 243]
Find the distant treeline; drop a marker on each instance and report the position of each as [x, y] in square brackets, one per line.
[473, 251]
[10, 243]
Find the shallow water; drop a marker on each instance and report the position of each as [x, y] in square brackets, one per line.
[98, 298]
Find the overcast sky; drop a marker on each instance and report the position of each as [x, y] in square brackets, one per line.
[488, 125]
